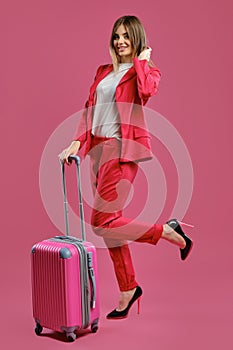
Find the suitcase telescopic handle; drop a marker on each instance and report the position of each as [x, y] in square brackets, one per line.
[81, 211]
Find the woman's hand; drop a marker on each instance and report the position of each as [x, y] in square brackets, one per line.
[145, 54]
[71, 150]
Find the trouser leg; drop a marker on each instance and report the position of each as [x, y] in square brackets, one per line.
[123, 265]
[111, 185]
[112, 181]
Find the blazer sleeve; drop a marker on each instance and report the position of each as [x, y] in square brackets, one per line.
[82, 128]
[148, 78]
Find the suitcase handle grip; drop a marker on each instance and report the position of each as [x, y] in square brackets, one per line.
[92, 279]
[93, 284]
[77, 162]
[75, 158]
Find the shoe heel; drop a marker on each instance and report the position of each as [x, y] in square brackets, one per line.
[184, 224]
[139, 305]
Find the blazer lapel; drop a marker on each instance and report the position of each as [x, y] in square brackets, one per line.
[100, 76]
[131, 72]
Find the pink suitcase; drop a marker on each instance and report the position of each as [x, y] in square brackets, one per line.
[65, 294]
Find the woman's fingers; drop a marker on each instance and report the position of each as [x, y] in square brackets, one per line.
[66, 158]
[61, 155]
[67, 154]
[72, 149]
[145, 54]
[64, 155]
[148, 52]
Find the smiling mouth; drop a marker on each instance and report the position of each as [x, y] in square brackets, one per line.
[122, 48]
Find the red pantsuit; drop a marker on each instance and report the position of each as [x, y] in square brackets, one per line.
[114, 164]
[110, 195]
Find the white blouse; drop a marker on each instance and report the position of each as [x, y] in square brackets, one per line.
[106, 120]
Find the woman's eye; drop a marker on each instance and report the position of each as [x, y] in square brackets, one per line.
[126, 36]
[115, 37]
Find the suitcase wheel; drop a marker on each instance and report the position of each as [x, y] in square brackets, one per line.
[70, 337]
[38, 329]
[94, 326]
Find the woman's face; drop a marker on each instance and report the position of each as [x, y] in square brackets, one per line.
[122, 45]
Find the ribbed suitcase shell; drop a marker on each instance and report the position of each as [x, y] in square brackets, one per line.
[56, 288]
[64, 277]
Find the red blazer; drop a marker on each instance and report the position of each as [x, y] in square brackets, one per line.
[132, 93]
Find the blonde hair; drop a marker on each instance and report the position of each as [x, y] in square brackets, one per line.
[137, 37]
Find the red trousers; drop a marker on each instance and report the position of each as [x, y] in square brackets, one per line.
[111, 181]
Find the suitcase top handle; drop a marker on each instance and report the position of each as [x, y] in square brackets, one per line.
[81, 211]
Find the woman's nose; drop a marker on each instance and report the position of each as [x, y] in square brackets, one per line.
[121, 40]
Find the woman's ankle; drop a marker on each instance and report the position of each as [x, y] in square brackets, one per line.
[172, 236]
[125, 297]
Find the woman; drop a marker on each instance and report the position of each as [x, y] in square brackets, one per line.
[114, 133]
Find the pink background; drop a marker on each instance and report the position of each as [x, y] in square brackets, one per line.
[50, 50]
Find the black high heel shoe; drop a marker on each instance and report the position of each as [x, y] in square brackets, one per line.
[189, 244]
[124, 313]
